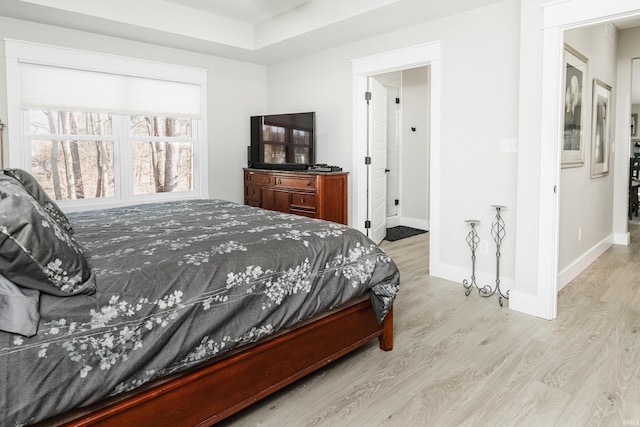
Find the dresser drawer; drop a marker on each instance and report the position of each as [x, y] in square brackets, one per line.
[252, 194]
[302, 212]
[258, 178]
[308, 183]
[301, 200]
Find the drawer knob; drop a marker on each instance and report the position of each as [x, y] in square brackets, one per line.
[301, 199]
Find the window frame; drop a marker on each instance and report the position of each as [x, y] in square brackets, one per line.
[19, 141]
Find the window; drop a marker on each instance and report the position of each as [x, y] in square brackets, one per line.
[162, 154]
[117, 131]
[72, 154]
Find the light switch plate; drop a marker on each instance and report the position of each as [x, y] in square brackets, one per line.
[509, 145]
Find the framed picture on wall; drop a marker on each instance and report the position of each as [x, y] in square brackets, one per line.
[600, 129]
[634, 124]
[575, 76]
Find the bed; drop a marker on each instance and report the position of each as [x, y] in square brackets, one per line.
[190, 311]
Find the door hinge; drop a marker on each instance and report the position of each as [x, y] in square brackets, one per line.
[367, 160]
[396, 202]
[367, 96]
[397, 100]
[367, 224]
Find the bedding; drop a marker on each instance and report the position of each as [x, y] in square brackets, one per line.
[35, 250]
[179, 283]
[19, 313]
[35, 189]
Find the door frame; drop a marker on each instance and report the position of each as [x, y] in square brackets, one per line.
[558, 17]
[428, 54]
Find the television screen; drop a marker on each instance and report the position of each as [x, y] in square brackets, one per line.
[282, 140]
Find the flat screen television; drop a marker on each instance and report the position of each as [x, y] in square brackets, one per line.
[282, 141]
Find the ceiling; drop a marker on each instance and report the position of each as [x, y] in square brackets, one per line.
[260, 31]
[626, 23]
[249, 11]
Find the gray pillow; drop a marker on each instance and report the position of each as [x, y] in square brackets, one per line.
[18, 309]
[35, 250]
[33, 186]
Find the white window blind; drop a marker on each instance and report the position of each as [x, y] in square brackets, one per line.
[66, 89]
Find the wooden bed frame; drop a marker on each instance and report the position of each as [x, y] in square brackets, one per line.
[224, 386]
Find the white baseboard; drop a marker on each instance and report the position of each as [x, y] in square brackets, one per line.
[448, 271]
[394, 221]
[528, 303]
[422, 224]
[622, 238]
[459, 274]
[579, 265]
[523, 303]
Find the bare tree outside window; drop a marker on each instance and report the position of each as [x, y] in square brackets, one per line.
[73, 153]
[68, 155]
[162, 154]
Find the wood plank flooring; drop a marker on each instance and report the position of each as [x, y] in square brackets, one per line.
[464, 361]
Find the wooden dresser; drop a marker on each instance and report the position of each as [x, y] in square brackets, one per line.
[321, 195]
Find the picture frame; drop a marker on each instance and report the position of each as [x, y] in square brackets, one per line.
[600, 129]
[634, 125]
[575, 92]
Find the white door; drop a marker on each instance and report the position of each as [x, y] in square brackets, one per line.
[378, 153]
[393, 153]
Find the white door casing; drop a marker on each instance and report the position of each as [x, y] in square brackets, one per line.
[410, 57]
[557, 17]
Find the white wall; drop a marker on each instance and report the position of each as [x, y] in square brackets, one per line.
[587, 204]
[415, 147]
[236, 90]
[480, 63]
[524, 295]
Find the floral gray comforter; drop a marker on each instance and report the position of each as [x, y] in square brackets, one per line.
[179, 283]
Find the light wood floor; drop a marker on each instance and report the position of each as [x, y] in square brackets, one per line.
[465, 361]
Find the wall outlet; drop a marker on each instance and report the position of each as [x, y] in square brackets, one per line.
[579, 234]
[483, 247]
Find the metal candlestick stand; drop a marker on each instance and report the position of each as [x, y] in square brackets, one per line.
[498, 233]
[472, 241]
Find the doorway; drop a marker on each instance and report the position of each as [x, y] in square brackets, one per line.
[408, 58]
[634, 145]
[556, 18]
[405, 172]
